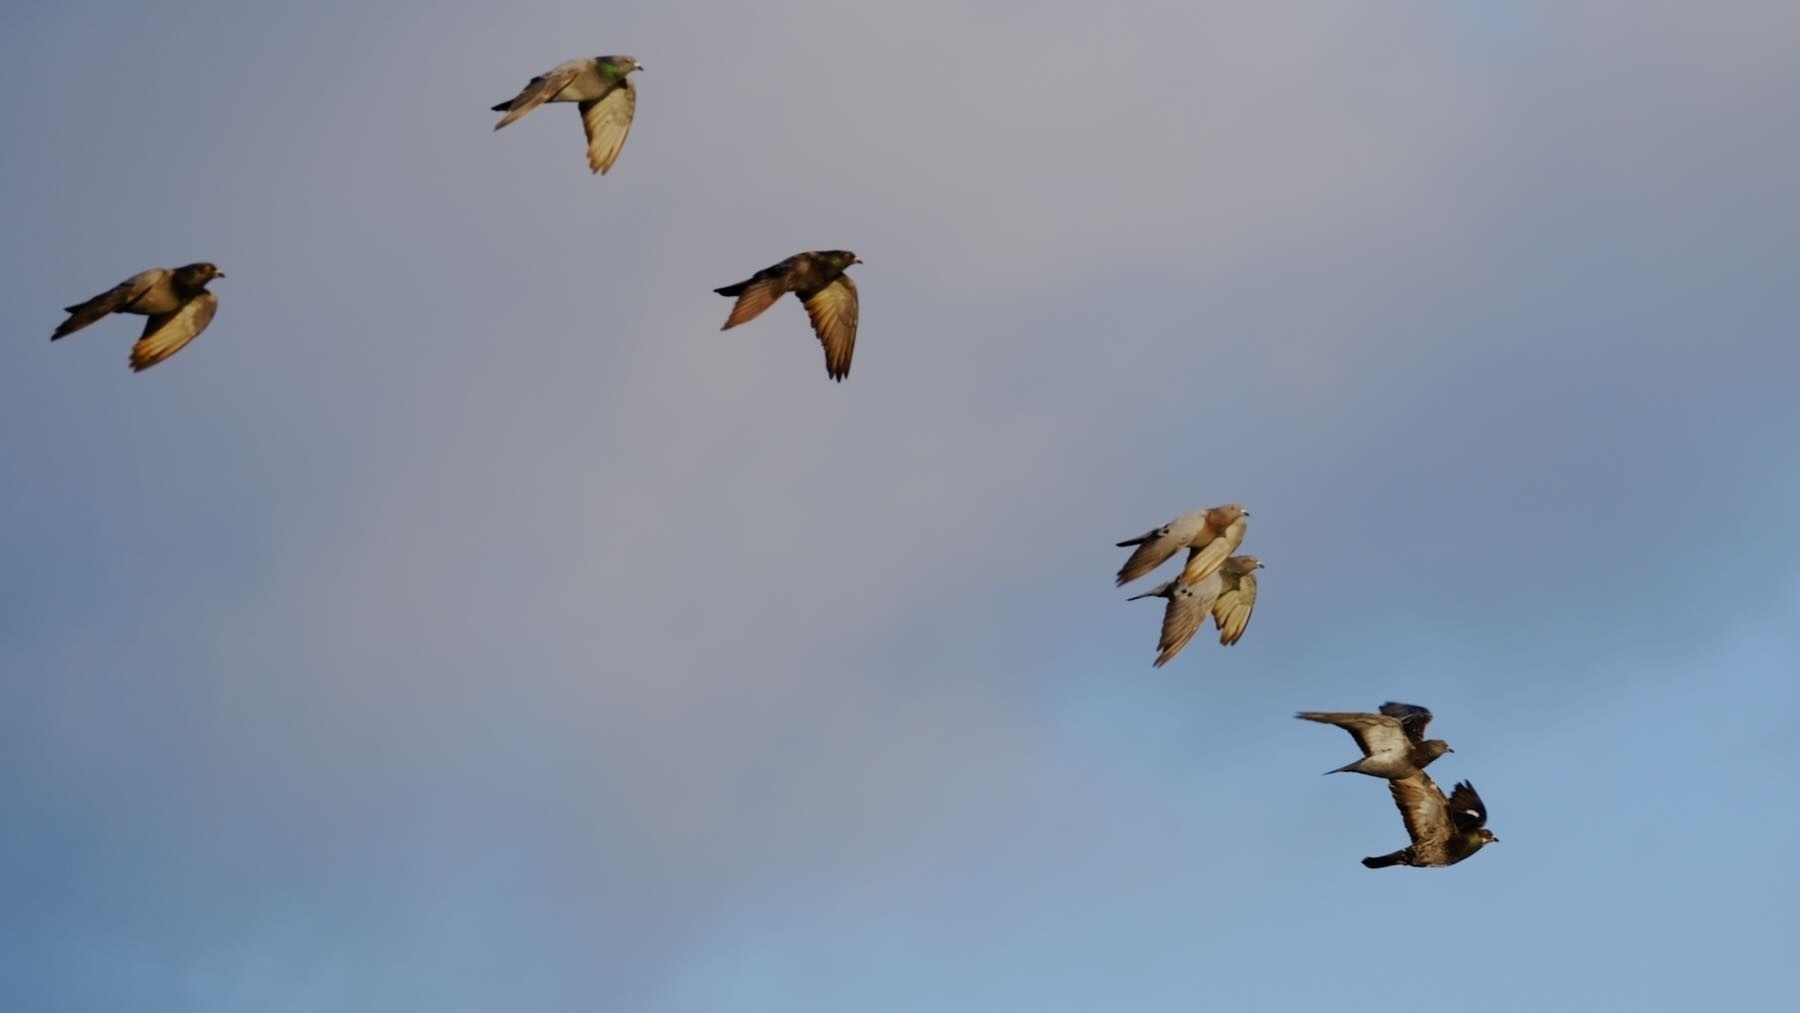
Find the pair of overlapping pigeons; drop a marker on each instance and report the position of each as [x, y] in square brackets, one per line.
[1444, 829]
[1212, 581]
[179, 306]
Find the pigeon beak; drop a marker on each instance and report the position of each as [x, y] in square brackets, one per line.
[220, 274]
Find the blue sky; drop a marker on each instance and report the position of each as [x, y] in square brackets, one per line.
[464, 623]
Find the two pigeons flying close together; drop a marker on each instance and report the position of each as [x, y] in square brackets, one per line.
[180, 307]
[1212, 581]
[1444, 830]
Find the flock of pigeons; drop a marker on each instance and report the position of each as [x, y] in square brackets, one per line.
[1213, 582]
[179, 306]
[1444, 830]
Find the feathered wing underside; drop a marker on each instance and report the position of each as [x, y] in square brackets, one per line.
[833, 311]
[1373, 736]
[1422, 808]
[167, 333]
[1182, 618]
[1231, 613]
[607, 121]
[1412, 718]
[113, 300]
[539, 90]
[754, 296]
[1154, 547]
[1148, 555]
[1205, 560]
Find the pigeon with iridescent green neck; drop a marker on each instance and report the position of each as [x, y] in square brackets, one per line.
[602, 86]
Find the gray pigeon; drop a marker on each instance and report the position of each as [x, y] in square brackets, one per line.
[176, 301]
[602, 86]
[1393, 742]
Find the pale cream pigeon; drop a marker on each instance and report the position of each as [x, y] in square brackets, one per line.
[1189, 604]
[1210, 536]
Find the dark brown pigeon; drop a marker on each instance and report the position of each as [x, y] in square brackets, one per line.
[1392, 744]
[1443, 831]
[176, 301]
[818, 280]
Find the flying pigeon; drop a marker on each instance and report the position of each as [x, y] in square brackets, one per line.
[1189, 604]
[176, 301]
[1392, 741]
[1443, 831]
[818, 280]
[608, 100]
[1210, 535]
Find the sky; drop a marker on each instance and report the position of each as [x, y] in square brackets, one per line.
[464, 623]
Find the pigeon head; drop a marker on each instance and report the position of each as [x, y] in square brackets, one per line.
[620, 65]
[1232, 511]
[1486, 836]
[1434, 748]
[195, 275]
[839, 259]
[1241, 565]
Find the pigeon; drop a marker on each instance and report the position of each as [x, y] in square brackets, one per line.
[1443, 831]
[602, 86]
[1392, 741]
[1189, 604]
[818, 280]
[1210, 535]
[176, 301]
